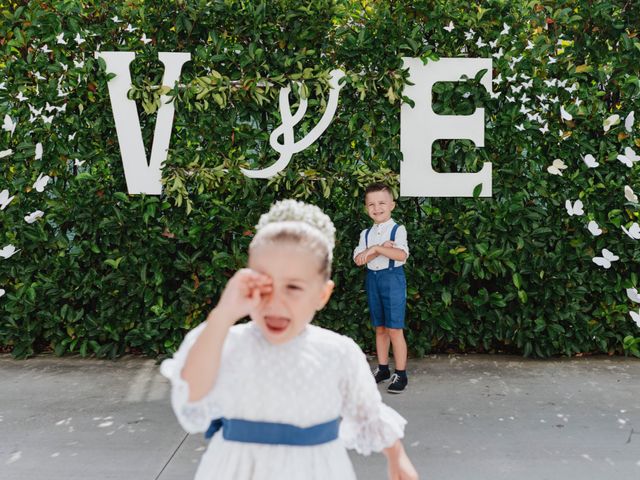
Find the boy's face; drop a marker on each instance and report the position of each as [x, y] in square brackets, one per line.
[379, 205]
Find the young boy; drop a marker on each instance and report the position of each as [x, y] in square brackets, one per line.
[383, 249]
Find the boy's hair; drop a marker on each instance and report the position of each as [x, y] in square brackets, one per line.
[300, 223]
[378, 187]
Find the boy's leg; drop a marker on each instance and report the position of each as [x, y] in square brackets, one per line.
[383, 341]
[395, 303]
[396, 336]
[381, 373]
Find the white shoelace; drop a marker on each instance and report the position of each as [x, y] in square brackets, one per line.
[394, 377]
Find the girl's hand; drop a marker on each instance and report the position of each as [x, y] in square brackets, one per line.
[241, 295]
[399, 467]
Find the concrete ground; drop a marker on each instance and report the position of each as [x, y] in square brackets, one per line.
[470, 417]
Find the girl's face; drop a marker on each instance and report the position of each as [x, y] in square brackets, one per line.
[299, 289]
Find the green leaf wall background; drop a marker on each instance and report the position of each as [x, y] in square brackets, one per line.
[104, 273]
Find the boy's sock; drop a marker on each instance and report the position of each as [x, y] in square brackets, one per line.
[401, 373]
[383, 368]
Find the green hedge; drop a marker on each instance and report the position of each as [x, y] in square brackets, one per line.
[104, 273]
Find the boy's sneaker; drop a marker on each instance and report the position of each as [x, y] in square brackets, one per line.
[381, 375]
[398, 384]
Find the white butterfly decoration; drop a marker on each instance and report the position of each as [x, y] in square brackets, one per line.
[79, 64]
[41, 182]
[575, 209]
[493, 43]
[564, 114]
[144, 39]
[590, 161]
[498, 79]
[79, 40]
[9, 125]
[494, 94]
[480, 43]
[535, 117]
[629, 157]
[606, 259]
[20, 97]
[556, 167]
[2, 292]
[561, 83]
[505, 29]
[524, 109]
[72, 136]
[513, 78]
[115, 19]
[544, 129]
[633, 232]
[516, 88]
[572, 88]
[5, 199]
[60, 39]
[498, 54]
[33, 216]
[39, 76]
[8, 251]
[130, 28]
[46, 119]
[6, 153]
[554, 99]
[524, 97]
[629, 195]
[550, 83]
[610, 122]
[635, 316]
[449, 28]
[552, 60]
[520, 127]
[38, 151]
[78, 163]
[629, 121]
[594, 228]
[510, 99]
[45, 49]
[632, 293]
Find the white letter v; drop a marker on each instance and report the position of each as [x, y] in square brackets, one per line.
[141, 176]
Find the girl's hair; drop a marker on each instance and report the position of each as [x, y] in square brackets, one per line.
[301, 223]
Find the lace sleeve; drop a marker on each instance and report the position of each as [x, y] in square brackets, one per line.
[193, 416]
[368, 425]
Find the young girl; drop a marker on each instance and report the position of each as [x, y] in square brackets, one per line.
[282, 398]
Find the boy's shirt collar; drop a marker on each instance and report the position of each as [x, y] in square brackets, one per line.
[384, 224]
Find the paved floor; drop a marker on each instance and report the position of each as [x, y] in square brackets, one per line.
[470, 417]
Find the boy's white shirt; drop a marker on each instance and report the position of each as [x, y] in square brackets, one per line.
[379, 234]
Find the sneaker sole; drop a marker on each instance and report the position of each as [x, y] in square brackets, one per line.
[397, 391]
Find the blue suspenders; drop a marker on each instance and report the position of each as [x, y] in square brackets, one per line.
[392, 238]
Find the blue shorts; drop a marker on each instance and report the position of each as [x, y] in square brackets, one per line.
[387, 297]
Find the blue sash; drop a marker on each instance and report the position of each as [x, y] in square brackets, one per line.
[273, 433]
[392, 238]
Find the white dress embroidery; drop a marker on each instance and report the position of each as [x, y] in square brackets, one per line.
[317, 377]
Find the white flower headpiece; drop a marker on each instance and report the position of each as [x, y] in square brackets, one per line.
[295, 211]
